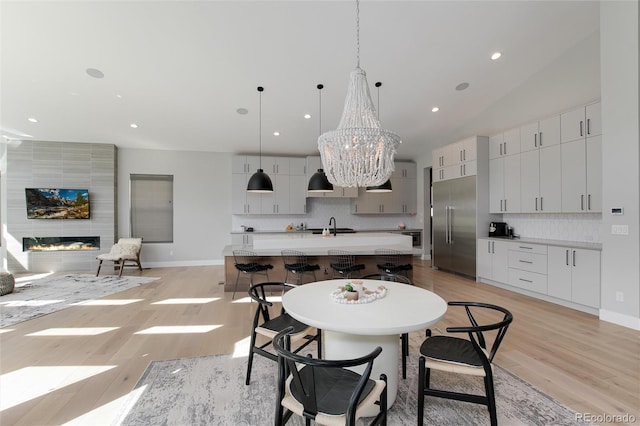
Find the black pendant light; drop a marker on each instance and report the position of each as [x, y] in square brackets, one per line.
[385, 187]
[260, 182]
[319, 181]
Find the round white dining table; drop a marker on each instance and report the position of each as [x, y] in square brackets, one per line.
[353, 330]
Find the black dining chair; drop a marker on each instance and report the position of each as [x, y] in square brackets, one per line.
[268, 324]
[327, 391]
[472, 356]
[404, 337]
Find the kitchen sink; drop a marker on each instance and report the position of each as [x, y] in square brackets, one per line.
[338, 230]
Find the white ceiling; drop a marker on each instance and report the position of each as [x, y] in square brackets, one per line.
[181, 69]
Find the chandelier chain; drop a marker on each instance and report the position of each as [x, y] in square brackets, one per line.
[358, 31]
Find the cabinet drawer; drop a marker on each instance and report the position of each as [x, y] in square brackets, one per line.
[529, 248]
[528, 280]
[531, 262]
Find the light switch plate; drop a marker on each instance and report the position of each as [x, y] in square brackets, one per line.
[620, 229]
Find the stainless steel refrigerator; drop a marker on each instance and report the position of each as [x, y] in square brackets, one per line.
[454, 225]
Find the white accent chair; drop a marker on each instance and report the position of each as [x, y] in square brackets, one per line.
[125, 250]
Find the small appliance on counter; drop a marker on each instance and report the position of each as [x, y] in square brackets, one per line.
[498, 229]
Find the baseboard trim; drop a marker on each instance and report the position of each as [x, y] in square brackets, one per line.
[179, 263]
[620, 319]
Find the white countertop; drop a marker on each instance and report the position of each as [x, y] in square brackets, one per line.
[301, 241]
[358, 251]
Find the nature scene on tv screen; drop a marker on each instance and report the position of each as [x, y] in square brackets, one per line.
[45, 203]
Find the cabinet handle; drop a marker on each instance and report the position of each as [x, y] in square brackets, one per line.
[488, 246]
[461, 173]
[464, 154]
[493, 247]
[464, 168]
[460, 155]
[525, 261]
[566, 257]
[500, 149]
[536, 203]
[526, 281]
[540, 139]
[505, 148]
[501, 205]
[581, 126]
[588, 126]
[505, 205]
[535, 140]
[541, 208]
[525, 247]
[581, 201]
[574, 258]
[589, 202]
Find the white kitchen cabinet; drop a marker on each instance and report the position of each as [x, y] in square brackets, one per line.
[297, 166]
[243, 202]
[528, 266]
[277, 202]
[242, 239]
[401, 200]
[506, 143]
[582, 175]
[275, 165]
[313, 164]
[580, 123]
[504, 184]
[455, 160]
[492, 260]
[574, 275]
[245, 164]
[540, 173]
[539, 134]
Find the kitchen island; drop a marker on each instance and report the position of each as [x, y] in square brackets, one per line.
[363, 246]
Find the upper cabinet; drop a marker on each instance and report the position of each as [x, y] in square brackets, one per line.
[540, 134]
[286, 174]
[503, 144]
[581, 155]
[458, 159]
[401, 200]
[313, 164]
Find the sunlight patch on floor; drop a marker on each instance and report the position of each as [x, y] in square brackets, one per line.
[6, 330]
[241, 348]
[178, 329]
[109, 413]
[75, 331]
[186, 301]
[32, 382]
[107, 302]
[18, 303]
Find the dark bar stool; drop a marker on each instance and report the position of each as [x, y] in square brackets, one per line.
[297, 263]
[343, 263]
[248, 262]
[388, 261]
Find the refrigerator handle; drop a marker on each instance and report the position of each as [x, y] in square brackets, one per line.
[446, 224]
[450, 224]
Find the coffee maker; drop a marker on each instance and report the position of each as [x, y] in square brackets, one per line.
[498, 229]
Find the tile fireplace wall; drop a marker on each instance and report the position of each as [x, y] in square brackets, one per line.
[33, 164]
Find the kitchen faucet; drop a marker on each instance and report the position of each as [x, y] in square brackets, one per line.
[335, 230]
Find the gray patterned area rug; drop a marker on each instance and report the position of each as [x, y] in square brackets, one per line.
[211, 391]
[33, 297]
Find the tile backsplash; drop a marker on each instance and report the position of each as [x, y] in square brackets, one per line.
[319, 210]
[586, 227]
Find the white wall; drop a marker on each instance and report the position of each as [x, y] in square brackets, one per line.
[621, 162]
[202, 204]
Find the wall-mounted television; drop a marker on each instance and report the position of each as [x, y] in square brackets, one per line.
[48, 203]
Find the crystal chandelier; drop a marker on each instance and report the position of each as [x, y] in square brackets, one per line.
[359, 152]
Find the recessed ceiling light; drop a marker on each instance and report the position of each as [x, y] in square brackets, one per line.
[276, 133]
[435, 109]
[33, 120]
[242, 111]
[307, 116]
[495, 56]
[118, 96]
[462, 86]
[133, 125]
[95, 73]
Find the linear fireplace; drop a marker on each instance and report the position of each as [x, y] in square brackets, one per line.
[60, 243]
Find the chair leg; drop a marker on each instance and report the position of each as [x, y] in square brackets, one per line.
[319, 341]
[491, 400]
[121, 268]
[405, 354]
[236, 286]
[421, 386]
[99, 266]
[250, 360]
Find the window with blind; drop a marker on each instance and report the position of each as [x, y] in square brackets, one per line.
[152, 208]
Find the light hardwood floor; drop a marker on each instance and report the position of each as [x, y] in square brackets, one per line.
[590, 365]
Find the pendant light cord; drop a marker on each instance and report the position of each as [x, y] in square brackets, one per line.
[378, 84]
[358, 31]
[320, 86]
[260, 89]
